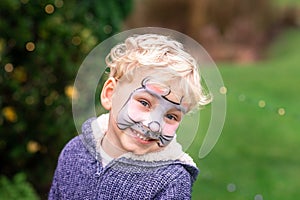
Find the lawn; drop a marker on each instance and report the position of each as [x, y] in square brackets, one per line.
[257, 155]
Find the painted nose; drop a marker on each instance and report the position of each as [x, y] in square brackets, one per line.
[154, 126]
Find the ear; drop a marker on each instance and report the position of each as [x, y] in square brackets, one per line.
[107, 93]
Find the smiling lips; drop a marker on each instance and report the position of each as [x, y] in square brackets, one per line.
[142, 136]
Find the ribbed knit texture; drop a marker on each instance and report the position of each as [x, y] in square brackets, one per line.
[79, 175]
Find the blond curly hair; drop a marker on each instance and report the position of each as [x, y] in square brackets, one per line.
[158, 52]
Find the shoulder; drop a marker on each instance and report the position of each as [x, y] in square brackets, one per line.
[179, 178]
[81, 143]
[79, 148]
[74, 146]
[72, 151]
[188, 171]
[77, 142]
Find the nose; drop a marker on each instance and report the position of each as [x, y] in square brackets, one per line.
[154, 126]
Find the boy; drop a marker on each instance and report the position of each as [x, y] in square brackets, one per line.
[133, 153]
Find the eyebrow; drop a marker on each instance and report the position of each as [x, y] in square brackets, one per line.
[149, 94]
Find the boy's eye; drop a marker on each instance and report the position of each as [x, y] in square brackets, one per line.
[144, 103]
[171, 117]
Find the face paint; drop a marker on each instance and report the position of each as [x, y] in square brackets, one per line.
[152, 111]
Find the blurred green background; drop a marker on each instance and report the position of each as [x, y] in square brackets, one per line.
[254, 43]
[256, 156]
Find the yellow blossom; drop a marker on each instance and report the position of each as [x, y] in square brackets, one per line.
[71, 92]
[33, 146]
[20, 74]
[9, 114]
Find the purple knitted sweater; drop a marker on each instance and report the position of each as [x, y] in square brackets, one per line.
[79, 175]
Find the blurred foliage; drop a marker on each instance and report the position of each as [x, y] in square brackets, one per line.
[17, 188]
[42, 44]
[261, 13]
[231, 30]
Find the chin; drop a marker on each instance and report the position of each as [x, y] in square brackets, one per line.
[138, 146]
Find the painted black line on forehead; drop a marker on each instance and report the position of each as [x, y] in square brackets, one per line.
[173, 101]
[177, 105]
[163, 95]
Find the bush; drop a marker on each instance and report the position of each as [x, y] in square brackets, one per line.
[42, 44]
[16, 189]
[229, 29]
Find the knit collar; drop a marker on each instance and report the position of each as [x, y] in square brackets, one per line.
[173, 151]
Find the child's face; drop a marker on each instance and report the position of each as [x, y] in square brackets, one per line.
[146, 114]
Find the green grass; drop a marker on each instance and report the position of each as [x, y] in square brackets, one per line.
[287, 2]
[258, 151]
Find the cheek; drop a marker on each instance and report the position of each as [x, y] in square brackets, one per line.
[135, 111]
[170, 129]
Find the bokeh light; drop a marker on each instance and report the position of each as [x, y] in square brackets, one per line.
[30, 46]
[49, 9]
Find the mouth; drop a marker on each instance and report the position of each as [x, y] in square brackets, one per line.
[142, 136]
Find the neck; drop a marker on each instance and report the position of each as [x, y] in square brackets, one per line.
[110, 148]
